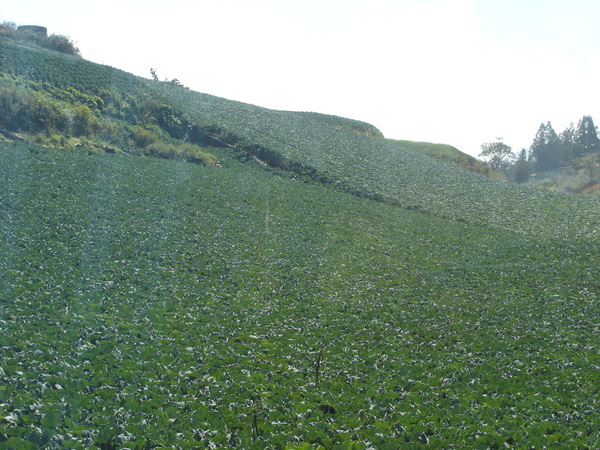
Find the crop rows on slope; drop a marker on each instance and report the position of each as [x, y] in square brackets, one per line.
[150, 303]
[61, 70]
[336, 151]
[385, 170]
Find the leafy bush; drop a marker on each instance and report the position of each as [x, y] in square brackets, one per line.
[196, 155]
[142, 137]
[38, 115]
[60, 43]
[107, 118]
[10, 106]
[84, 122]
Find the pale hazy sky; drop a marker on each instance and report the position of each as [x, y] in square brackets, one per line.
[460, 72]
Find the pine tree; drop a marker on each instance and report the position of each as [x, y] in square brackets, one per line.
[520, 170]
[586, 138]
[545, 151]
[567, 140]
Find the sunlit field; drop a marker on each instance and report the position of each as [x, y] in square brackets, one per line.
[313, 285]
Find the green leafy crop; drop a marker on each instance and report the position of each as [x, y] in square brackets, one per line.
[308, 285]
[150, 303]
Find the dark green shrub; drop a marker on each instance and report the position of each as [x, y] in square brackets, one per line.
[37, 115]
[142, 137]
[83, 120]
[61, 44]
[116, 106]
[163, 150]
[9, 106]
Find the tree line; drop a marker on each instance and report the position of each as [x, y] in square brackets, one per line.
[577, 147]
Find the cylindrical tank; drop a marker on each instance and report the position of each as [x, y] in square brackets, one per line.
[34, 29]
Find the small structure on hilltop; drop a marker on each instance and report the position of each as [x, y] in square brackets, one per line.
[34, 29]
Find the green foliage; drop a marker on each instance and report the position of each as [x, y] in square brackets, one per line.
[546, 149]
[132, 122]
[56, 42]
[10, 106]
[550, 151]
[325, 288]
[8, 30]
[588, 164]
[552, 157]
[25, 110]
[585, 138]
[150, 303]
[60, 43]
[187, 152]
[61, 70]
[498, 154]
[84, 122]
[520, 171]
[374, 168]
[142, 137]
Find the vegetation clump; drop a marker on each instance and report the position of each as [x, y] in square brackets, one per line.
[453, 156]
[65, 117]
[569, 161]
[56, 42]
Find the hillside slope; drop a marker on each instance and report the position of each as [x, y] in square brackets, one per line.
[147, 303]
[348, 154]
[387, 170]
[321, 287]
[453, 156]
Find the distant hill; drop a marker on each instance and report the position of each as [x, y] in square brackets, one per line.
[453, 156]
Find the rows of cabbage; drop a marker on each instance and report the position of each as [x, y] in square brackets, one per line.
[388, 171]
[149, 302]
[61, 70]
[331, 146]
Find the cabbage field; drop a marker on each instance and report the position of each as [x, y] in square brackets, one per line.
[320, 287]
[150, 303]
[387, 170]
